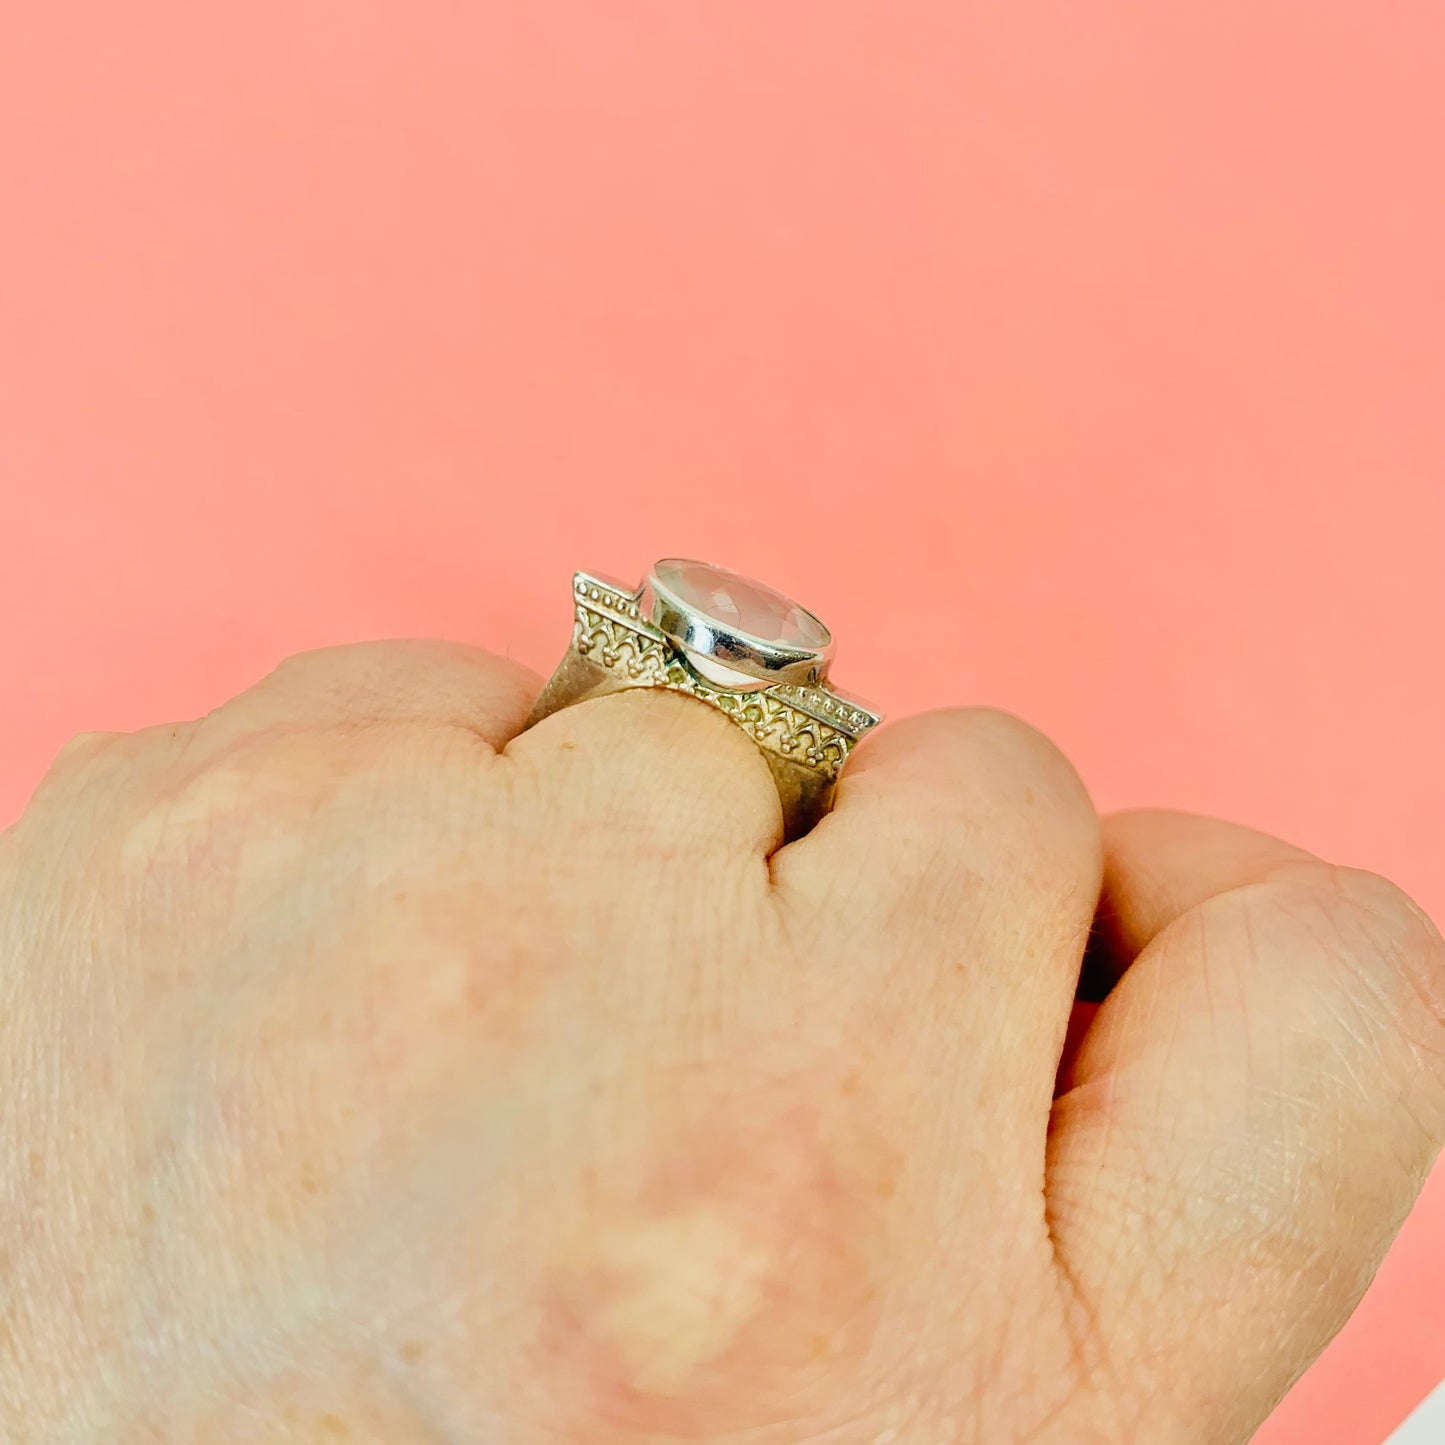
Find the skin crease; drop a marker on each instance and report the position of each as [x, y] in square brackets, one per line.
[369, 1072]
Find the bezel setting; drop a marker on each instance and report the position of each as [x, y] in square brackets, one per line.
[729, 655]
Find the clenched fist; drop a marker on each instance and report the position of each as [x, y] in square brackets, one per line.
[370, 1072]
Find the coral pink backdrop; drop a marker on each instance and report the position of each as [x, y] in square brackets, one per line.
[1082, 359]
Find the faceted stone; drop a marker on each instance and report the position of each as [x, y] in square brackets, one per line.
[741, 604]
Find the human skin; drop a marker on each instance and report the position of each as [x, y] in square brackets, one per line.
[370, 1071]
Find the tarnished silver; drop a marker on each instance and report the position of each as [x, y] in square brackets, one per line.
[770, 681]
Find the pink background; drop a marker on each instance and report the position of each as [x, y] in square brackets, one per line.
[1082, 359]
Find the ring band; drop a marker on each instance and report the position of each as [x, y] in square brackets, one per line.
[740, 647]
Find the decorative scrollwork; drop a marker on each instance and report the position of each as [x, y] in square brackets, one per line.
[611, 633]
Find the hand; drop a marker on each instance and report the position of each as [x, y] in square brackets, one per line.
[372, 1073]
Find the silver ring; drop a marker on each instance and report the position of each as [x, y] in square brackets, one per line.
[742, 647]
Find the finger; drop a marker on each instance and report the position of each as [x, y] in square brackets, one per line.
[658, 773]
[431, 682]
[444, 684]
[1158, 865]
[1250, 1114]
[958, 875]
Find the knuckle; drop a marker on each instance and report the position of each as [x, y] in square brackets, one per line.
[1383, 933]
[985, 747]
[344, 679]
[88, 778]
[1003, 733]
[387, 681]
[1403, 936]
[1394, 911]
[1387, 966]
[78, 760]
[1036, 764]
[83, 748]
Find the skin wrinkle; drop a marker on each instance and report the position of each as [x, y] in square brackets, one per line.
[1087, 1347]
[1252, 1070]
[1365, 975]
[1339, 880]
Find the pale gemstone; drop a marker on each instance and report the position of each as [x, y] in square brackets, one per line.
[741, 604]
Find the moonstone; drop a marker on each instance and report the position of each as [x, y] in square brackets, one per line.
[741, 604]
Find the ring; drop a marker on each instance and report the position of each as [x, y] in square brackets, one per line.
[745, 649]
